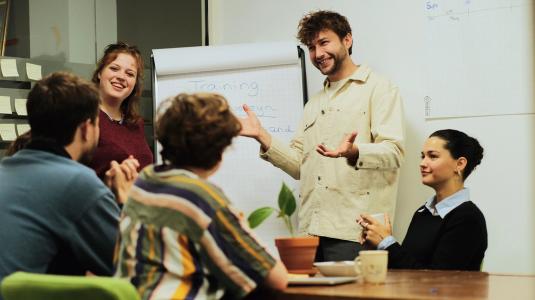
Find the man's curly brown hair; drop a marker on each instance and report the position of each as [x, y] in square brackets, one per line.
[314, 22]
[195, 129]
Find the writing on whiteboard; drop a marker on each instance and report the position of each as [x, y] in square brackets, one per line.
[431, 5]
[264, 111]
[261, 111]
[427, 107]
[285, 129]
[455, 10]
[250, 88]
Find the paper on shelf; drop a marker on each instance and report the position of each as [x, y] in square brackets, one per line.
[9, 68]
[33, 71]
[22, 128]
[20, 106]
[7, 132]
[5, 105]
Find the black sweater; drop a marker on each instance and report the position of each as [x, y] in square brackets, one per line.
[457, 242]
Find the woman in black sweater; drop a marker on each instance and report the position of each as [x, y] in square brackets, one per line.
[448, 232]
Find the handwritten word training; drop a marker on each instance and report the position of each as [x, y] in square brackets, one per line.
[250, 88]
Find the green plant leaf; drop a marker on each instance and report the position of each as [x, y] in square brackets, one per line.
[259, 215]
[287, 202]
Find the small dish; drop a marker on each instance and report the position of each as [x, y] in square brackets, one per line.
[336, 268]
[309, 272]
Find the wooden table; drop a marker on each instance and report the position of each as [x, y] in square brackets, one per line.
[420, 284]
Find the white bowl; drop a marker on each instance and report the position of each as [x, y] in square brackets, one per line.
[336, 268]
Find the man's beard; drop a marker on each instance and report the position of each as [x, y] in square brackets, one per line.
[337, 64]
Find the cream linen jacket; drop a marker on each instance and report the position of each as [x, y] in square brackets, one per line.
[333, 193]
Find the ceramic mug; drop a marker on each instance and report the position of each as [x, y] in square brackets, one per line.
[371, 265]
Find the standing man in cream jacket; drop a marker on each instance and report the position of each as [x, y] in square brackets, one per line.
[349, 146]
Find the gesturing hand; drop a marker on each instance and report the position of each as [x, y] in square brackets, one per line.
[251, 126]
[346, 148]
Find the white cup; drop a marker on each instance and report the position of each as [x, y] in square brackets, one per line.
[372, 265]
[379, 217]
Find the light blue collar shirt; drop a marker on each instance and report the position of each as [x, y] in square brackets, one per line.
[447, 204]
[441, 209]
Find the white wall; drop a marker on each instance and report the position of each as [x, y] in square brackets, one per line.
[106, 24]
[81, 30]
[390, 36]
[71, 30]
[49, 32]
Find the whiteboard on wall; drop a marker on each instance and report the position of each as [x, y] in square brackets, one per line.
[265, 76]
[478, 59]
[395, 38]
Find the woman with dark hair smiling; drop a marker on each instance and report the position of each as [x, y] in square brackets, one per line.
[448, 231]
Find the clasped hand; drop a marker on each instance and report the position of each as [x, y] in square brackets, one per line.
[373, 231]
[121, 177]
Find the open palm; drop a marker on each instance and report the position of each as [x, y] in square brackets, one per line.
[343, 149]
[251, 126]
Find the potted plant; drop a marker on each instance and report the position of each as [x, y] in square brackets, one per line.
[297, 253]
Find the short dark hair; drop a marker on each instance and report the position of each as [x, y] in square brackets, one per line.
[58, 103]
[459, 144]
[195, 129]
[130, 105]
[314, 22]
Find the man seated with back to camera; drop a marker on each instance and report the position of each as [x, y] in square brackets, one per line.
[180, 236]
[56, 215]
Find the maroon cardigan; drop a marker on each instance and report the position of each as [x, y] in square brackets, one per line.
[117, 142]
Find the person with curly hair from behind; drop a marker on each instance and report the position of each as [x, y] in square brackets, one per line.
[180, 236]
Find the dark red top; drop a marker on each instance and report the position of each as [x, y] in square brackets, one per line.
[117, 142]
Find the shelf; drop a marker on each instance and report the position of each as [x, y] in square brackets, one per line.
[13, 84]
[13, 117]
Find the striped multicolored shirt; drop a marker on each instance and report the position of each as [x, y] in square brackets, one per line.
[180, 239]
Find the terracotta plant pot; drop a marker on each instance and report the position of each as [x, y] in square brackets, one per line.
[298, 253]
